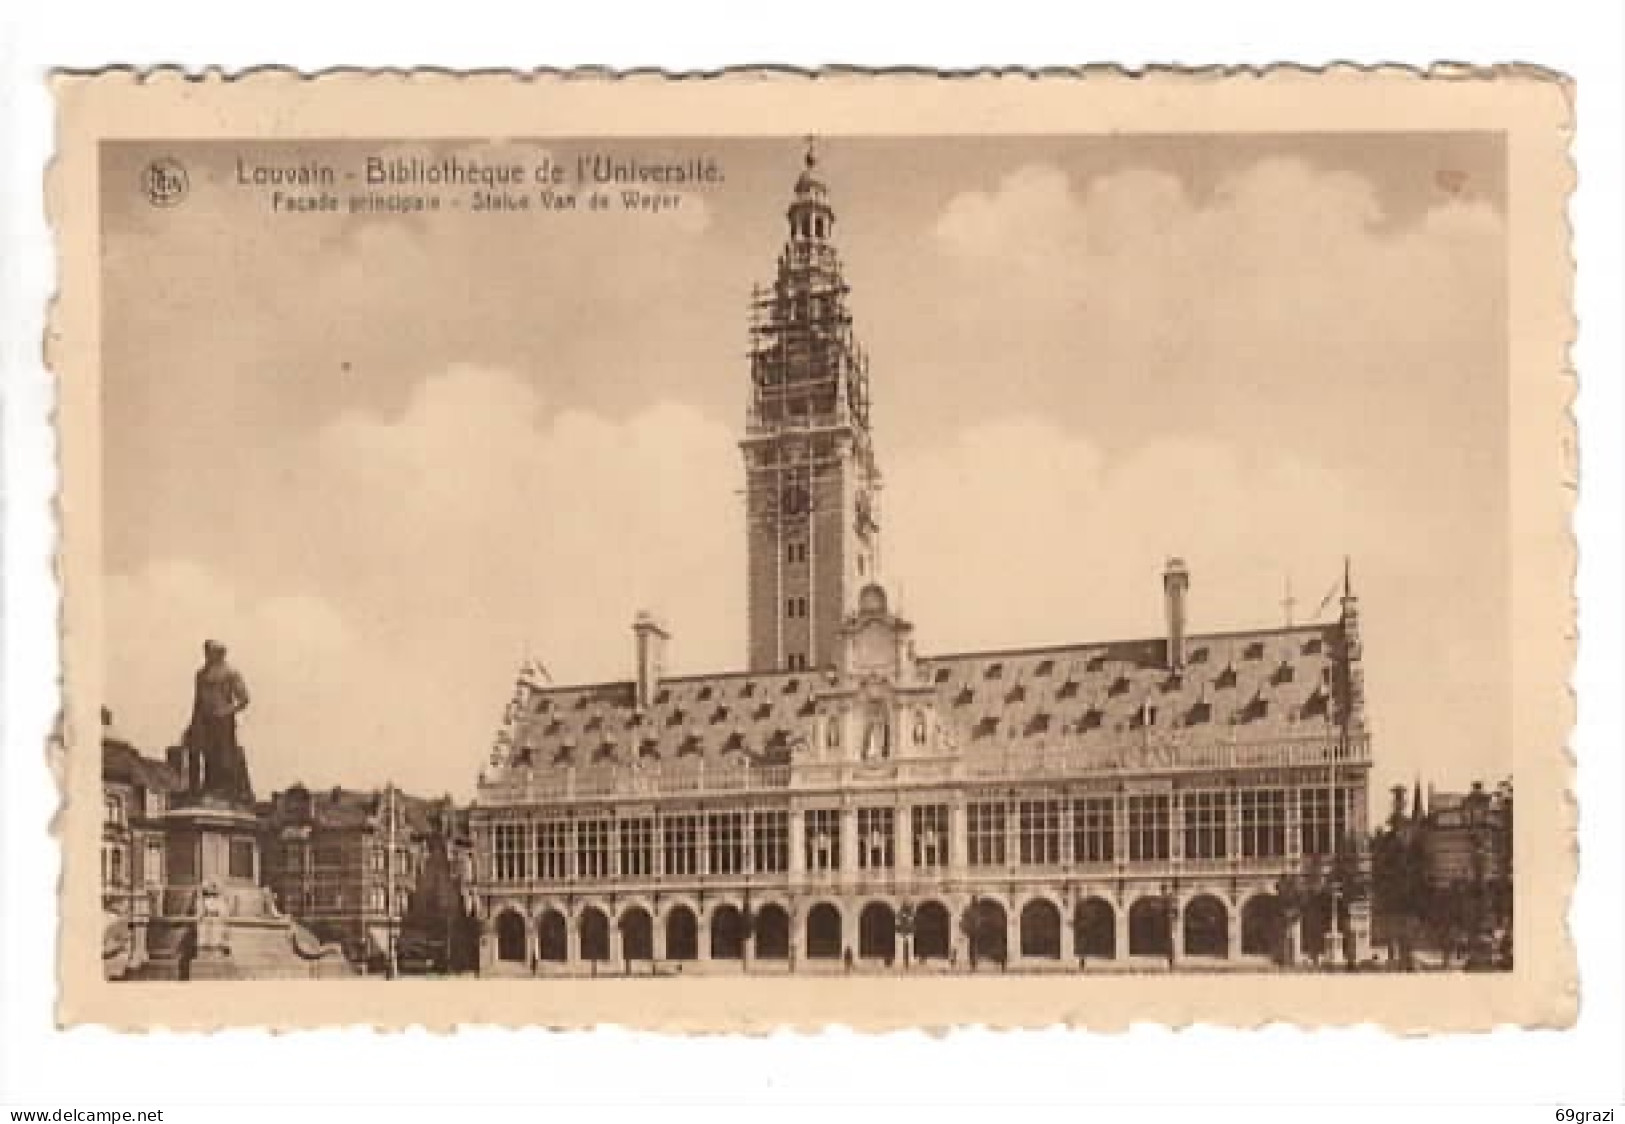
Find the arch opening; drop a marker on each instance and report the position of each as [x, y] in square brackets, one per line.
[1095, 925]
[1207, 927]
[637, 935]
[682, 934]
[824, 932]
[1041, 930]
[552, 937]
[772, 933]
[877, 932]
[510, 929]
[933, 931]
[1150, 929]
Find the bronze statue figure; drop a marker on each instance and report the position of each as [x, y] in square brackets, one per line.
[216, 765]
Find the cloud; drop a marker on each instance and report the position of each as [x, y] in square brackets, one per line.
[438, 547]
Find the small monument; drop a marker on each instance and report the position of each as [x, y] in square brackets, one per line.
[216, 921]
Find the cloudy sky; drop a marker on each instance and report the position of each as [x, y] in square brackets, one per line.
[384, 458]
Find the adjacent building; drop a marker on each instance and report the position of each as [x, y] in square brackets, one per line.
[843, 800]
[345, 863]
[136, 791]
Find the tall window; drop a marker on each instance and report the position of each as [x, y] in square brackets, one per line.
[152, 866]
[113, 810]
[682, 839]
[510, 847]
[637, 848]
[930, 827]
[1263, 822]
[727, 839]
[1094, 830]
[875, 841]
[1040, 832]
[797, 661]
[1206, 825]
[553, 851]
[770, 841]
[592, 849]
[823, 838]
[1317, 829]
[984, 834]
[1148, 827]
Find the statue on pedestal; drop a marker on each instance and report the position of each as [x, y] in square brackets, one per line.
[215, 763]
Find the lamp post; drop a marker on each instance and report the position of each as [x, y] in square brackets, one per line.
[1170, 910]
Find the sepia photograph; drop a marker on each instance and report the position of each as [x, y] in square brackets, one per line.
[627, 562]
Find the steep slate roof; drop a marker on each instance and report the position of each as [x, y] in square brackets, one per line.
[1260, 685]
[123, 763]
[340, 808]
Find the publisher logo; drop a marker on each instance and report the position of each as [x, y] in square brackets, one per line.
[165, 182]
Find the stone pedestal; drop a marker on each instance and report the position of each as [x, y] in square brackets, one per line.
[215, 920]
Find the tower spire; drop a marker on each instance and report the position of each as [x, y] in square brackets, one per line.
[811, 514]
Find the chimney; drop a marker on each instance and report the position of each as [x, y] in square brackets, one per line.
[651, 645]
[1175, 581]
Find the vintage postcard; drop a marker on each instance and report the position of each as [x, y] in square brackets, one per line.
[789, 550]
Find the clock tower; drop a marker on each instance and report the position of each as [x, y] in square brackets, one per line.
[810, 477]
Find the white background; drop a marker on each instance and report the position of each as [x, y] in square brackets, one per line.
[419, 1076]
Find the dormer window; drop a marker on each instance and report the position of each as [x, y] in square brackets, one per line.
[705, 693]
[719, 715]
[1069, 690]
[690, 747]
[1199, 713]
[596, 722]
[676, 718]
[604, 752]
[764, 711]
[944, 674]
[735, 743]
[1039, 724]
[986, 726]
[1254, 651]
[1226, 679]
[1283, 674]
[1313, 646]
[791, 686]
[1091, 719]
[1044, 668]
[965, 697]
[663, 697]
[994, 671]
[1197, 655]
[554, 728]
[1096, 663]
[1119, 686]
[649, 747]
[748, 690]
[1015, 694]
[581, 702]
